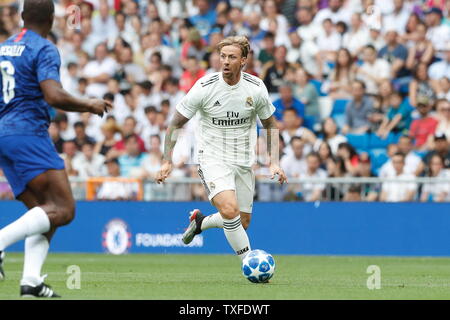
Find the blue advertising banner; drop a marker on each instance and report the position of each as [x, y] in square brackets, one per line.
[402, 229]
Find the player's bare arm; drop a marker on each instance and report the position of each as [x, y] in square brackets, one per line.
[270, 124]
[177, 123]
[59, 98]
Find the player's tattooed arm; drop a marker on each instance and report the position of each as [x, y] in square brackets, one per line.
[176, 124]
[272, 134]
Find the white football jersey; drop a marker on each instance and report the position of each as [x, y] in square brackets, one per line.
[227, 125]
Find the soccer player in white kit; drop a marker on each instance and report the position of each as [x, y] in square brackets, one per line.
[228, 103]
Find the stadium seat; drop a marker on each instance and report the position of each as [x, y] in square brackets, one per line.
[318, 85]
[309, 122]
[376, 142]
[359, 141]
[340, 120]
[339, 107]
[378, 157]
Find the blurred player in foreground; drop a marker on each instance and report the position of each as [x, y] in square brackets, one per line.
[29, 65]
[228, 103]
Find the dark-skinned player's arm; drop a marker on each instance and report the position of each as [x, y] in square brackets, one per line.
[270, 124]
[170, 140]
[59, 98]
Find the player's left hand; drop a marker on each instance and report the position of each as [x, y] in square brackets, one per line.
[276, 170]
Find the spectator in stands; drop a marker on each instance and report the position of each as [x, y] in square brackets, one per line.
[422, 49]
[437, 192]
[396, 54]
[413, 163]
[312, 191]
[357, 37]
[53, 131]
[409, 35]
[335, 11]
[205, 19]
[325, 153]
[307, 93]
[131, 160]
[307, 29]
[328, 42]
[66, 131]
[115, 190]
[373, 70]
[339, 82]
[256, 34]
[88, 163]
[381, 105]
[443, 88]
[191, 75]
[420, 87]
[399, 190]
[358, 110]
[438, 33]
[330, 135]
[98, 71]
[440, 69]
[398, 18]
[70, 151]
[153, 162]
[423, 129]
[274, 71]
[109, 129]
[294, 164]
[129, 127]
[398, 117]
[353, 193]
[270, 12]
[441, 147]
[369, 191]
[443, 116]
[267, 51]
[350, 157]
[195, 46]
[293, 127]
[286, 101]
[80, 135]
[151, 127]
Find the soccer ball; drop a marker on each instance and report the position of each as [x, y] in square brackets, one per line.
[258, 266]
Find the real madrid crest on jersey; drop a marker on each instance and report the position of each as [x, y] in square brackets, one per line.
[249, 102]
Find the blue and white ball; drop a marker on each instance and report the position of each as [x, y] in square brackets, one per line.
[258, 266]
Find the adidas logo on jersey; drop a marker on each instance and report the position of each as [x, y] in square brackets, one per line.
[217, 104]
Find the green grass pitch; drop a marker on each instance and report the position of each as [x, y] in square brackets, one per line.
[170, 276]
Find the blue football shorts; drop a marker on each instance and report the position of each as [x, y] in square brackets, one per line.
[23, 158]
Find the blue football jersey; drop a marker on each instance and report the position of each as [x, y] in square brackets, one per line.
[26, 59]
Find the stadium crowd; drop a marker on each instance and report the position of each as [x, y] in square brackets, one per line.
[361, 88]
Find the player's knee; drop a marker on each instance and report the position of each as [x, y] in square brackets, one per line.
[67, 214]
[229, 211]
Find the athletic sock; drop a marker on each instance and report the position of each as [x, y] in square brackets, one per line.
[214, 220]
[236, 236]
[35, 221]
[36, 248]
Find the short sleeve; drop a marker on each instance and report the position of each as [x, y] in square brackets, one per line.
[264, 107]
[191, 102]
[48, 63]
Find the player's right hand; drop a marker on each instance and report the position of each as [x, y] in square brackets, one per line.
[99, 106]
[164, 172]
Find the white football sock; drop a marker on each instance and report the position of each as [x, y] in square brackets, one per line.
[214, 220]
[33, 222]
[236, 236]
[36, 248]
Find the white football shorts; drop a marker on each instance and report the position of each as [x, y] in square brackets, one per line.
[218, 177]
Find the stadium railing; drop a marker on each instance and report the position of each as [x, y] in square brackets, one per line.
[181, 188]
